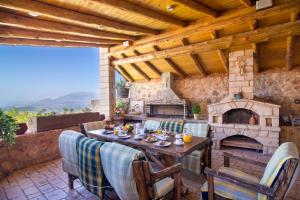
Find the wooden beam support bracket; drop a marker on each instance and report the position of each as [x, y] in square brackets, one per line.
[220, 52]
[149, 64]
[290, 41]
[254, 26]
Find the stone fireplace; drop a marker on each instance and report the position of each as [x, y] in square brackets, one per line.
[240, 120]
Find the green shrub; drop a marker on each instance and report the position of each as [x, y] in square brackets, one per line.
[8, 128]
[196, 109]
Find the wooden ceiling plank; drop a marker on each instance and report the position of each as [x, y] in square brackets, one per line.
[198, 7]
[149, 64]
[47, 43]
[195, 58]
[258, 35]
[17, 21]
[241, 16]
[290, 41]
[171, 63]
[246, 3]
[253, 26]
[124, 73]
[137, 9]
[220, 52]
[7, 32]
[137, 69]
[69, 16]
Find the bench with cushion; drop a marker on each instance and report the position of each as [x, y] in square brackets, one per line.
[152, 125]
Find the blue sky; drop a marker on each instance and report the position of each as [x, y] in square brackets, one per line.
[34, 73]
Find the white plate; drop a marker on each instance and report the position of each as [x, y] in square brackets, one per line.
[138, 137]
[97, 132]
[165, 145]
[179, 144]
[124, 136]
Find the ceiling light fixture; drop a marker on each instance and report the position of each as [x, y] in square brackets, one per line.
[33, 14]
[100, 27]
[171, 7]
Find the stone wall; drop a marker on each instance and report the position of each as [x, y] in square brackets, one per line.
[30, 149]
[278, 86]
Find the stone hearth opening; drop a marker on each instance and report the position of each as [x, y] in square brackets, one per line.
[239, 116]
[241, 142]
[166, 110]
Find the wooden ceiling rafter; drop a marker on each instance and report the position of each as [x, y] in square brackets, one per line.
[220, 52]
[198, 7]
[137, 69]
[149, 64]
[246, 3]
[171, 63]
[195, 58]
[138, 9]
[7, 32]
[124, 73]
[290, 45]
[69, 16]
[254, 26]
[258, 35]
[17, 21]
[241, 16]
[30, 42]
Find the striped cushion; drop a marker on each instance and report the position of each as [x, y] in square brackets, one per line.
[67, 146]
[172, 126]
[284, 152]
[90, 126]
[229, 190]
[197, 129]
[152, 125]
[117, 165]
[90, 169]
[163, 187]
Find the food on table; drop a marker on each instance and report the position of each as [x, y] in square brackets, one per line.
[151, 139]
[128, 127]
[159, 131]
[187, 138]
[116, 131]
[162, 142]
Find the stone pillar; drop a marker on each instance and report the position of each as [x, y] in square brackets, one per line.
[107, 98]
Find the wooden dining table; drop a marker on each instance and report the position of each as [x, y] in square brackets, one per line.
[171, 154]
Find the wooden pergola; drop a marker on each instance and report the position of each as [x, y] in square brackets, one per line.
[148, 37]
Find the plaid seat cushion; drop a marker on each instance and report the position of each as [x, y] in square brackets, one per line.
[152, 125]
[90, 169]
[229, 190]
[192, 162]
[67, 146]
[284, 152]
[197, 129]
[163, 187]
[117, 165]
[172, 126]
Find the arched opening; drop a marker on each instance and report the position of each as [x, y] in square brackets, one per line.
[241, 142]
[240, 116]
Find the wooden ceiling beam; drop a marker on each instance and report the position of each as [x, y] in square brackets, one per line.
[195, 58]
[7, 32]
[149, 64]
[258, 35]
[246, 3]
[137, 69]
[124, 73]
[290, 45]
[17, 21]
[138, 9]
[71, 17]
[220, 52]
[46, 43]
[171, 63]
[241, 16]
[253, 26]
[198, 7]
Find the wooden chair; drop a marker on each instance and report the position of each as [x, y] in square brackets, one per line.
[146, 180]
[89, 126]
[277, 187]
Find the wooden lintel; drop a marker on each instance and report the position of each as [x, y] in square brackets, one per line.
[69, 16]
[220, 52]
[149, 64]
[18, 21]
[246, 3]
[29, 42]
[172, 64]
[137, 9]
[256, 36]
[253, 26]
[195, 59]
[7, 32]
[137, 69]
[124, 73]
[239, 17]
[198, 7]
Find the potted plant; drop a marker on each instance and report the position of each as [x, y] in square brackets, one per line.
[120, 107]
[196, 109]
[122, 89]
[8, 128]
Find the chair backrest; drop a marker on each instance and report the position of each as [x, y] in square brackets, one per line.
[89, 126]
[117, 162]
[197, 129]
[172, 126]
[281, 170]
[67, 146]
[152, 125]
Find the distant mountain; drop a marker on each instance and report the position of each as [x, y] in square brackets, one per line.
[72, 100]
